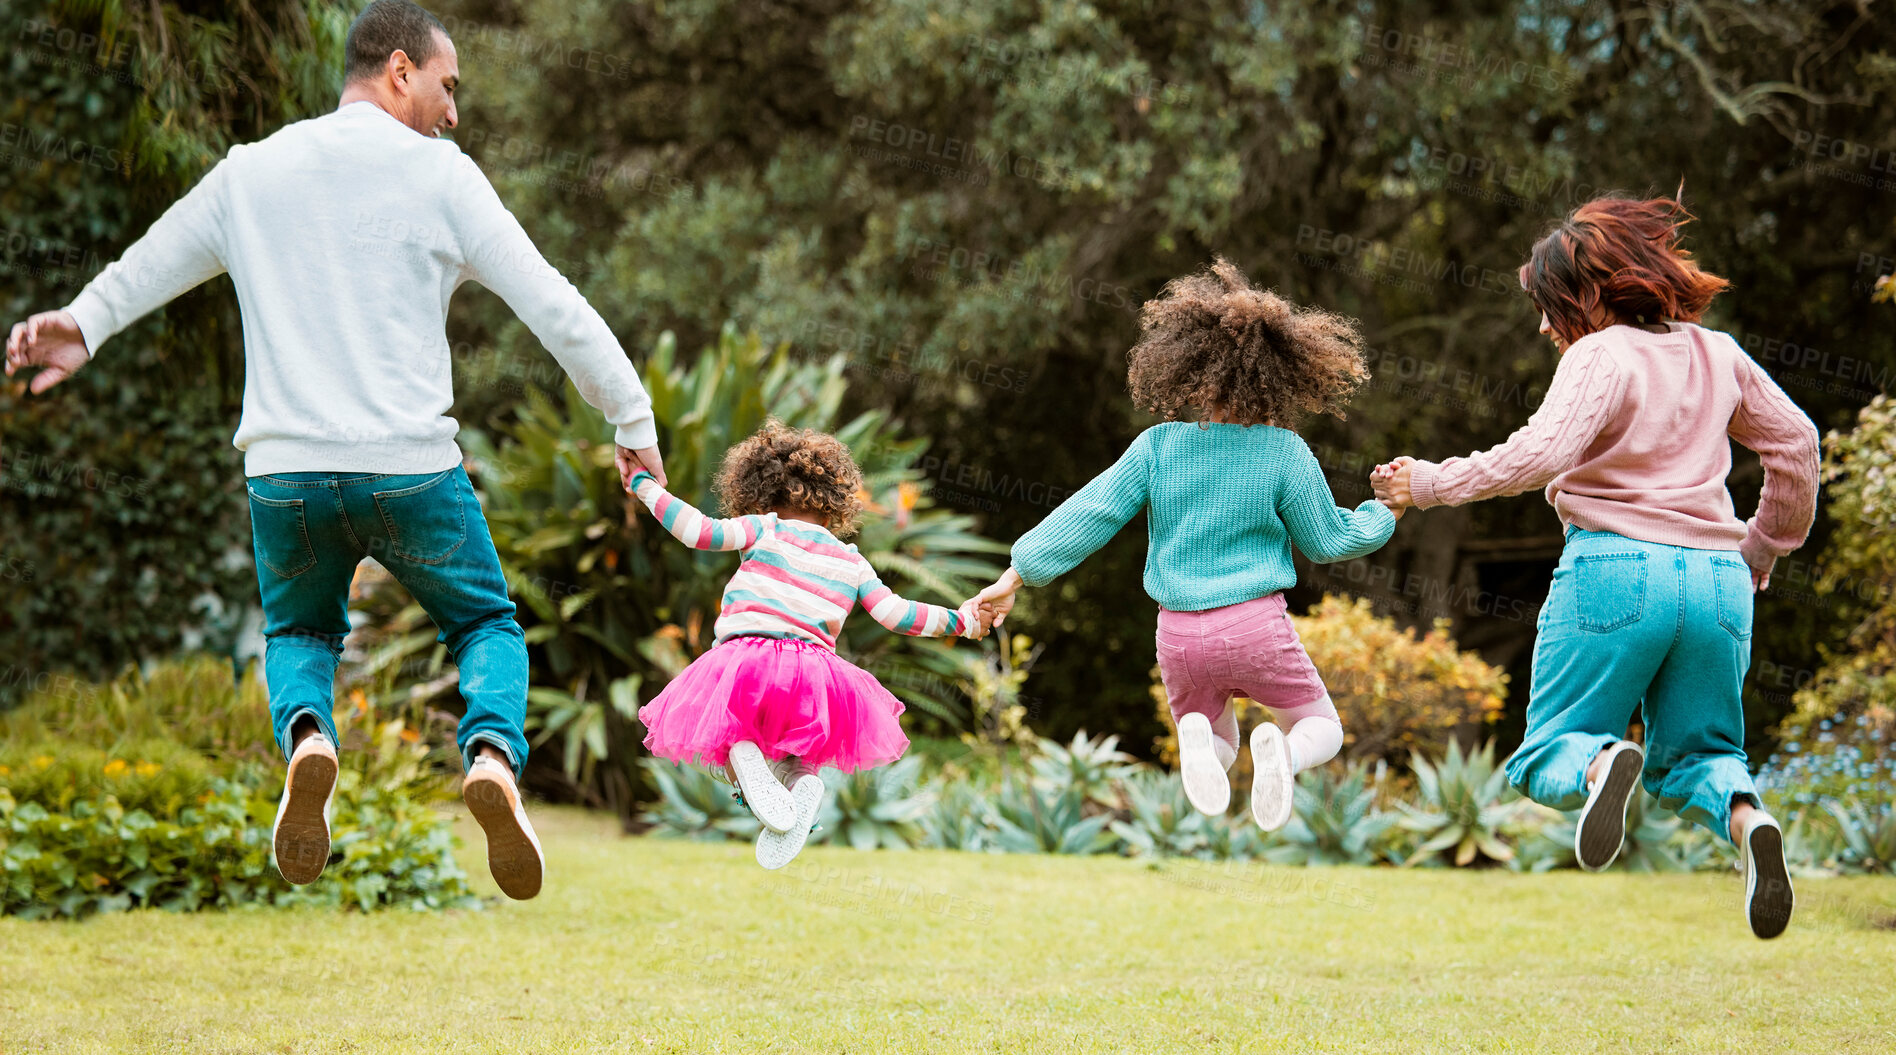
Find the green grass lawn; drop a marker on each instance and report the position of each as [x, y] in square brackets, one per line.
[642, 945]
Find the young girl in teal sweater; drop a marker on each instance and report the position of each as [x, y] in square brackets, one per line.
[1226, 496]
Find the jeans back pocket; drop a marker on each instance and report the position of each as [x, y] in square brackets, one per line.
[1731, 580]
[280, 535]
[1609, 590]
[426, 523]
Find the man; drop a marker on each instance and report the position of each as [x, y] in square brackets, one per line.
[345, 236]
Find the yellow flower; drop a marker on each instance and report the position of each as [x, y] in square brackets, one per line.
[147, 769]
[4, 770]
[43, 761]
[115, 767]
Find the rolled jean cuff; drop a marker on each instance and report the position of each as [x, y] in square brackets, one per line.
[325, 724]
[473, 751]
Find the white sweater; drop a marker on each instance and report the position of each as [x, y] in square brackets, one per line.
[346, 235]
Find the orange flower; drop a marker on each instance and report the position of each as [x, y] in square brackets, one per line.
[410, 736]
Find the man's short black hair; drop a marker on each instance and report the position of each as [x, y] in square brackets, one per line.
[385, 27]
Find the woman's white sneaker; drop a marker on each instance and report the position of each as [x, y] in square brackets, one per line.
[1273, 778]
[1602, 828]
[1207, 785]
[776, 849]
[300, 836]
[1768, 900]
[768, 800]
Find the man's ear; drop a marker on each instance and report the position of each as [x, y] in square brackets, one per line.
[399, 68]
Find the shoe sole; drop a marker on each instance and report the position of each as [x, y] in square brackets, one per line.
[1768, 898]
[301, 839]
[1602, 832]
[513, 857]
[1267, 741]
[776, 849]
[1207, 786]
[769, 801]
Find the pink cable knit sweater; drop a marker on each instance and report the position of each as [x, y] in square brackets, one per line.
[1632, 439]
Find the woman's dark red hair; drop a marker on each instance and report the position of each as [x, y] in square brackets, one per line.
[1620, 257]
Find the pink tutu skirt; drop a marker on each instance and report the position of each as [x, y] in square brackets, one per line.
[788, 696]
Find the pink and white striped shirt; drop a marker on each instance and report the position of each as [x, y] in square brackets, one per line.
[796, 579]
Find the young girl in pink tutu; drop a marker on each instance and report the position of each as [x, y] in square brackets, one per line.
[771, 700]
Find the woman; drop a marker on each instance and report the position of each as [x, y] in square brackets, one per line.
[1651, 603]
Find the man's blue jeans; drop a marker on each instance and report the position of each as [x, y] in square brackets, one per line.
[1666, 629]
[310, 530]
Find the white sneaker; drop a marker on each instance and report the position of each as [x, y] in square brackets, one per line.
[1273, 780]
[768, 799]
[300, 838]
[1207, 785]
[776, 849]
[1768, 900]
[1602, 828]
[514, 857]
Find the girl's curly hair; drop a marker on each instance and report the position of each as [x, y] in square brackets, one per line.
[1210, 339]
[799, 469]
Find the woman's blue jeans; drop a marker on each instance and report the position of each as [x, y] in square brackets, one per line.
[1631, 624]
[310, 530]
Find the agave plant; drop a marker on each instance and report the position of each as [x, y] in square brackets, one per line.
[1867, 834]
[694, 805]
[1027, 819]
[874, 809]
[1092, 767]
[1464, 810]
[1161, 822]
[955, 820]
[1334, 820]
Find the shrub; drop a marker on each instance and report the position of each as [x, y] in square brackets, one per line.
[156, 776]
[97, 856]
[1029, 819]
[1094, 768]
[1397, 692]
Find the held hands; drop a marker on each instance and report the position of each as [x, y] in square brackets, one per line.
[51, 341]
[992, 604]
[1391, 481]
[631, 461]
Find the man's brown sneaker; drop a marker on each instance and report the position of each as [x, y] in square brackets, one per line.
[301, 839]
[513, 851]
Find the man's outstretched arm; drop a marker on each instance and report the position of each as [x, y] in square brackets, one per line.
[501, 257]
[182, 249]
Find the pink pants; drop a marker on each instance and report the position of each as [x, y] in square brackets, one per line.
[1247, 649]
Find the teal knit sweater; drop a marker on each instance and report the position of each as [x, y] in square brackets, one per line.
[1224, 504]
